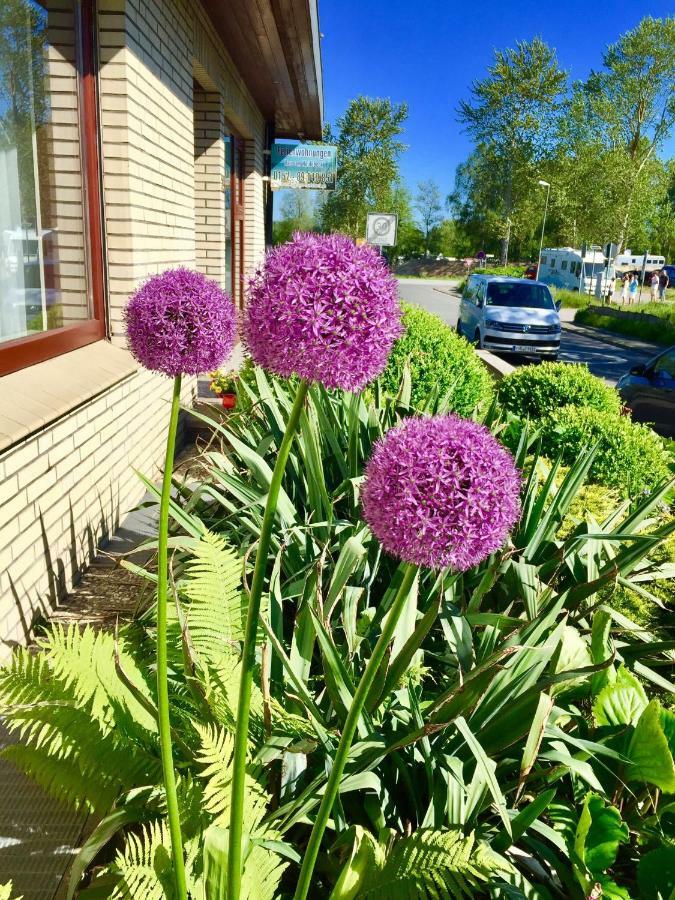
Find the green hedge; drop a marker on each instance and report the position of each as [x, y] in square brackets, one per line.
[536, 391]
[630, 457]
[636, 326]
[439, 360]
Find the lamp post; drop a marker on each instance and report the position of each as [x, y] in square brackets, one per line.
[543, 224]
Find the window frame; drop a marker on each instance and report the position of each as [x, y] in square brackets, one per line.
[36, 348]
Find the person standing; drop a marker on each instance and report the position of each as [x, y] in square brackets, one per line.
[664, 281]
[625, 282]
[633, 288]
[654, 281]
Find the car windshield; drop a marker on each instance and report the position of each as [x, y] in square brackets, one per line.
[509, 293]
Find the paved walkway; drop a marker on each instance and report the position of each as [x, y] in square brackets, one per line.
[39, 836]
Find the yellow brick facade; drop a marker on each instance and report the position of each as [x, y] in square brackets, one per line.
[167, 86]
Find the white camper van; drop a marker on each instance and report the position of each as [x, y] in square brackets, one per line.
[628, 262]
[563, 267]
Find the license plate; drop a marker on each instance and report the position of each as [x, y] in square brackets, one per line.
[522, 348]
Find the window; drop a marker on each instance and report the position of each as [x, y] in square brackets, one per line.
[531, 296]
[553, 262]
[234, 213]
[543, 261]
[51, 286]
[563, 264]
[664, 367]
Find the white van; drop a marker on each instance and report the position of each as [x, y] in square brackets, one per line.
[628, 261]
[563, 267]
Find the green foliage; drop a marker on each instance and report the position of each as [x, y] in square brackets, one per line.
[478, 746]
[631, 457]
[439, 361]
[599, 833]
[656, 874]
[367, 157]
[536, 391]
[6, 892]
[662, 332]
[572, 299]
[426, 864]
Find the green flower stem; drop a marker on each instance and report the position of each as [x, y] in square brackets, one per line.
[162, 654]
[248, 653]
[348, 732]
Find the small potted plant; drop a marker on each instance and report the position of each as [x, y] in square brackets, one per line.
[222, 384]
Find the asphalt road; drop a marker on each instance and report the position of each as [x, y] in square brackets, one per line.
[607, 361]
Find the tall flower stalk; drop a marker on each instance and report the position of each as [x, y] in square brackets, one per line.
[324, 310]
[163, 719]
[248, 653]
[178, 323]
[438, 492]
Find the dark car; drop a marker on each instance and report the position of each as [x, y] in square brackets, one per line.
[649, 392]
[670, 272]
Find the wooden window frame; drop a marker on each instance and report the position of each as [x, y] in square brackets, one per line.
[28, 351]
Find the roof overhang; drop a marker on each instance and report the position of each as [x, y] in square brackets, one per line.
[275, 45]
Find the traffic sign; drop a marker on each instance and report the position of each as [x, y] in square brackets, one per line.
[381, 229]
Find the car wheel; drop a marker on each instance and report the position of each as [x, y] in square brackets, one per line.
[459, 327]
[477, 339]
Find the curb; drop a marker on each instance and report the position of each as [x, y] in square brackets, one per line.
[615, 340]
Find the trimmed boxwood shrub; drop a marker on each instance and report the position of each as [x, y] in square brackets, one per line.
[438, 359]
[631, 457]
[536, 391]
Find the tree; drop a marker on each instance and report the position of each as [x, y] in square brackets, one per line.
[625, 112]
[367, 157]
[297, 214]
[428, 207]
[510, 116]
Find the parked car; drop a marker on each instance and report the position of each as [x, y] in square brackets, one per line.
[670, 272]
[530, 272]
[648, 390]
[510, 315]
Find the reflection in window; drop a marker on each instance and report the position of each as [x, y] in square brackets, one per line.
[228, 141]
[42, 261]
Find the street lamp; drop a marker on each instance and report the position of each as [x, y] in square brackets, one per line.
[543, 224]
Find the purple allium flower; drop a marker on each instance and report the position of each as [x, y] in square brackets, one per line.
[180, 323]
[324, 309]
[440, 492]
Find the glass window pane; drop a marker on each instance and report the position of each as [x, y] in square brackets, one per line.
[227, 191]
[42, 250]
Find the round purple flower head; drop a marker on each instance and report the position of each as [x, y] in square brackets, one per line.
[441, 492]
[180, 323]
[324, 309]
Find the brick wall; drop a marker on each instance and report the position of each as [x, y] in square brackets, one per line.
[67, 486]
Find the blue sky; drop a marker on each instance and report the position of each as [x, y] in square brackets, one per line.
[428, 52]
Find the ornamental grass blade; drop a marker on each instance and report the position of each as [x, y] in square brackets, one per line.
[487, 768]
[348, 562]
[534, 739]
[547, 521]
[338, 683]
[523, 821]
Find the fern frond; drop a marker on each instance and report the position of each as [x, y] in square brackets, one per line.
[144, 864]
[6, 892]
[216, 611]
[262, 868]
[429, 864]
[82, 734]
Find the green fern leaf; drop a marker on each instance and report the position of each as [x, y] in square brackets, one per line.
[426, 864]
[216, 612]
[262, 868]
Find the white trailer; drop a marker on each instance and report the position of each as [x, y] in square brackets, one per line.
[563, 267]
[628, 262]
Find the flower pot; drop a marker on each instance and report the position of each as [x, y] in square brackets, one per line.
[229, 401]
